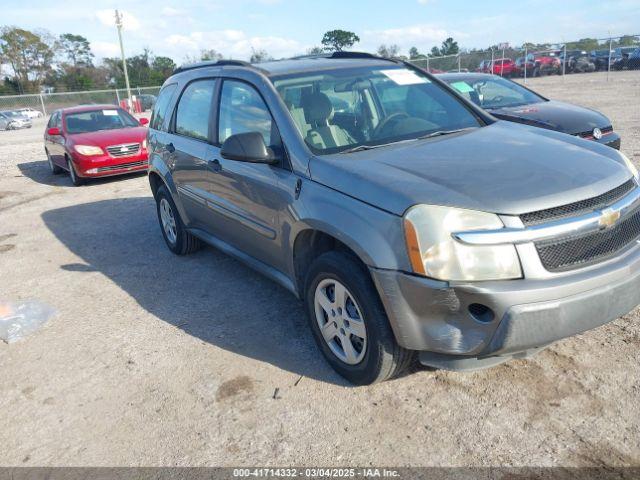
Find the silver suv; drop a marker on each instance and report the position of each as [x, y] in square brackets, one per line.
[409, 221]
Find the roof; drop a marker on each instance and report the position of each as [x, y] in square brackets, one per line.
[88, 108]
[311, 63]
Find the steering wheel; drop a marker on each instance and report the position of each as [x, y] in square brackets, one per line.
[387, 121]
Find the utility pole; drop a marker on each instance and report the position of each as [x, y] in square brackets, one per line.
[124, 60]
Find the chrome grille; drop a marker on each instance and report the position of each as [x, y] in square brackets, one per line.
[578, 208]
[123, 150]
[122, 166]
[579, 251]
[589, 133]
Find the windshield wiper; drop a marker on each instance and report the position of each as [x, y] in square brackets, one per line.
[443, 132]
[360, 148]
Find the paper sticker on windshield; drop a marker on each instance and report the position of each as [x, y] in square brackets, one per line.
[462, 87]
[109, 112]
[404, 77]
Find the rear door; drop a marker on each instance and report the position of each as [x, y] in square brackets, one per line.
[189, 145]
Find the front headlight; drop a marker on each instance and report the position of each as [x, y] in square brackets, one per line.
[88, 150]
[144, 143]
[434, 252]
[630, 166]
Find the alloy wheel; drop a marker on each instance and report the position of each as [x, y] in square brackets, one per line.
[168, 221]
[340, 321]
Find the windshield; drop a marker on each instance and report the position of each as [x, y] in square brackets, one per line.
[338, 110]
[13, 114]
[103, 119]
[494, 92]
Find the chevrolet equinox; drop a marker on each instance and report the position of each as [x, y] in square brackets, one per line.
[409, 221]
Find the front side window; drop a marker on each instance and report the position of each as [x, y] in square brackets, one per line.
[99, 119]
[160, 108]
[242, 110]
[495, 92]
[340, 109]
[194, 109]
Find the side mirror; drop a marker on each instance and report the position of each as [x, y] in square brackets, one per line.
[144, 121]
[247, 147]
[53, 131]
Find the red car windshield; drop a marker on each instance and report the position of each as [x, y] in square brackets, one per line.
[102, 119]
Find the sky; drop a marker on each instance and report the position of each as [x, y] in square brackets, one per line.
[289, 27]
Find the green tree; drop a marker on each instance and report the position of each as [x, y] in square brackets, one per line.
[315, 51]
[75, 50]
[28, 55]
[449, 47]
[165, 65]
[627, 41]
[435, 52]
[259, 56]
[388, 51]
[414, 53]
[338, 40]
[210, 54]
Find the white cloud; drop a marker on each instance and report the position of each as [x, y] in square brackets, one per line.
[232, 43]
[421, 36]
[107, 18]
[424, 2]
[172, 12]
[105, 49]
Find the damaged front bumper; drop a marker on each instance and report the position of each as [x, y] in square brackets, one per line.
[475, 325]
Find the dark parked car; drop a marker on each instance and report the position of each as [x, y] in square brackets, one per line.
[511, 101]
[633, 61]
[411, 223]
[147, 101]
[602, 58]
[577, 61]
[622, 57]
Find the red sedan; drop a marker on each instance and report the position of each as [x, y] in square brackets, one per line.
[95, 141]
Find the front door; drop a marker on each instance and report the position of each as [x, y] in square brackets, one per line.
[248, 197]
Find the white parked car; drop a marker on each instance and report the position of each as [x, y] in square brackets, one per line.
[30, 112]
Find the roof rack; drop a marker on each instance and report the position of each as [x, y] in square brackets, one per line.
[212, 63]
[343, 54]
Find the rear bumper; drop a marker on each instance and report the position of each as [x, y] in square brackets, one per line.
[434, 316]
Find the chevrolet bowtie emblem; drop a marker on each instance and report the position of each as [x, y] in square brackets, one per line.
[608, 218]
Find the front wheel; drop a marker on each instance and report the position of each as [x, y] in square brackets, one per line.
[176, 236]
[349, 323]
[75, 179]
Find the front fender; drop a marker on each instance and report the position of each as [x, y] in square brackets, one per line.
[374, 235]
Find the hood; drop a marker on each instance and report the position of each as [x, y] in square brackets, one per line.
[501, 168]
[559, 116]
[104, 138]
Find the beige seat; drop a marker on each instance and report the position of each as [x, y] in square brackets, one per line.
[318, 112]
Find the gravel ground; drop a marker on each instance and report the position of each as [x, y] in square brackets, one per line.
[154, 359]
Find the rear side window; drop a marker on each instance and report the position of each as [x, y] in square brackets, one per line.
[161, 106]
[194, 109]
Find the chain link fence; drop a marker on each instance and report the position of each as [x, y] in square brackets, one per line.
[45, 103]
[606, 55]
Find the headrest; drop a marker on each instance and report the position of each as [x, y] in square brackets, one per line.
[317, 108]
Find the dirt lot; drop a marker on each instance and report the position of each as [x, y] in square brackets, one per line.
[154, 359]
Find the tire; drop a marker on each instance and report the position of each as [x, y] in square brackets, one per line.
[55, 169]
[379, 357]
[75, 179]
[175, 235]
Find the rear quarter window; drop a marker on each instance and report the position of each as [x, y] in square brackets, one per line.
[161, 107]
